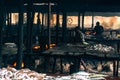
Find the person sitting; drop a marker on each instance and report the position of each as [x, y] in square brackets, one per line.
[98, 29]
[79, 36]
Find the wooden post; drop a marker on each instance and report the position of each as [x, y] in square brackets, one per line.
[114, 68]
[38, 24]
[57, 25]
[64, 25]
[117, 67]
[48, 28]
[2, 23]
[82, 21]
[30, 17]
[92, 20]
[79, 19]
[42, 27]
[20, 39]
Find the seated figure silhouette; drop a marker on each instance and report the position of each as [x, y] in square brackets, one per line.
[79, 36]
[98, 29]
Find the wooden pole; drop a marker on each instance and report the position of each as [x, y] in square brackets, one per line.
[64, 25]
[2, 23]
[79, 19]
[42, 27]
[38, 24]
[92, 20]
[20, 39]
[48, 28]
[57, 25]
[82, 21]
[117, 67]
[114, 68]
[30, 17]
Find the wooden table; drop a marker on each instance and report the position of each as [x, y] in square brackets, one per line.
[65, 51]
[78, 51]
[109, 41]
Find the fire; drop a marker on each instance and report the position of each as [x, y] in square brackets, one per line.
[36, 47]
[46, 46]
[51, 45]
[15, 64]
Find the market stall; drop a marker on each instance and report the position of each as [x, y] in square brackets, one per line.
[75, 52]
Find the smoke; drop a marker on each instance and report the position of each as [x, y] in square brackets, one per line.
[112, 22]
[105, 24]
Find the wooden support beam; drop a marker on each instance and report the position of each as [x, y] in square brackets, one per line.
[114, 68]
[83, 21]
[20, 39]
[117, 67]
[2, 23]
[42, 27]
[30, 17]
[79, 19]
[48, 24]
[64, 27]
[57, 26]
[92, 20]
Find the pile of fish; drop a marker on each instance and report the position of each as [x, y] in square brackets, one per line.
[100, 48]
[22, 74]
[10, 73]
[81, 75]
